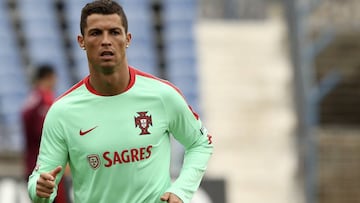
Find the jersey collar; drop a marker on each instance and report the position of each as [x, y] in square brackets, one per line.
[130, 85]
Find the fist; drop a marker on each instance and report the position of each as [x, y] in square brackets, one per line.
[46, 183]
[170, 198]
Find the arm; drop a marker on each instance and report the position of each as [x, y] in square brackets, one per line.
[187, 128]
[52, 154]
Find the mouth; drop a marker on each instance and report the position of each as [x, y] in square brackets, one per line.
[107, 54]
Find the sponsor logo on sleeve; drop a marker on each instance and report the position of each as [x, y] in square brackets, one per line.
[204, 131]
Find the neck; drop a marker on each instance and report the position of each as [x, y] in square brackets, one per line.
[110, 84]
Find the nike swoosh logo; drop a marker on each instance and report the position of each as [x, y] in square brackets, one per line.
[82, 133]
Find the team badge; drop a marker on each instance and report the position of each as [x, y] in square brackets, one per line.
[143, 121]
[94, 161]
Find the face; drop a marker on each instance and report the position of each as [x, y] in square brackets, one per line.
[51, 81]
[105, 42]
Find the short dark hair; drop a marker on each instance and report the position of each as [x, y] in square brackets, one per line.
[105, 7]
[43, 71]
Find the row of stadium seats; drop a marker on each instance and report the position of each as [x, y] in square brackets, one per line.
[180, 51]
[42, 32]
[13, 83]
[45, 37]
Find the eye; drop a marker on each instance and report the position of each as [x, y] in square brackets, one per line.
[115, 32]
[95, 33]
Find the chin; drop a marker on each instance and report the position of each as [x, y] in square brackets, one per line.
[107, 70]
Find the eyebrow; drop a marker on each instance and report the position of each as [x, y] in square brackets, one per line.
[98, 29]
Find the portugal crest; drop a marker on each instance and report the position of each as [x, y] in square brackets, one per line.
[143, 121]
[94, 161]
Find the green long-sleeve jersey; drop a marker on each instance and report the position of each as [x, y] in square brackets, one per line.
[118, 147]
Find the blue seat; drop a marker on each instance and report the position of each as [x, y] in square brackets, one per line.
[122, 2]
[180, 51]
[3, 6]
[141, 54]
[145, 66]
[142, 51]
[184, 67]
[13, 84]
[72, 11]
[11, 104]
[137, 10]
[189, 88]
[50, 54]
[42, 28]
[81, 64]
[36, 10]
[7, 30]
[12, 75]
[183, 30]
[42, 33]
[180, 10]
[11, 64]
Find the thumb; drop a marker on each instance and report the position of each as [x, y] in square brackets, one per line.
[56, 171]
[165, 197]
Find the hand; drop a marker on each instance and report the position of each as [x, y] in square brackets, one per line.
[170, 198]
[46, 183]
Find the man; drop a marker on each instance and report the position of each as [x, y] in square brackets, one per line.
[113, 127]
[33, 114]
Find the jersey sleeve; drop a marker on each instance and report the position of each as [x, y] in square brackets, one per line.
[53, 152]
[187, 128]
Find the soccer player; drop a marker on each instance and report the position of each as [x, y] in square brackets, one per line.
[33, 114]
[113, 127]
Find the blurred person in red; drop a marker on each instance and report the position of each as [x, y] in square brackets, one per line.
[35, 108]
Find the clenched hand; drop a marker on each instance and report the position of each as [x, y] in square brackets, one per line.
[46, 183]
[170, 198]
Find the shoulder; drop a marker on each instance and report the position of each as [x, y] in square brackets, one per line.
[67, 97]
[72, 90]
[170, 94]
[157, 84]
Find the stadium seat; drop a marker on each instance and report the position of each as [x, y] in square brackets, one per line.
[82, 69]
[142, 51]
[13, 86]
[42, 34]
[36, 9]
[180, 52]
[175, 10]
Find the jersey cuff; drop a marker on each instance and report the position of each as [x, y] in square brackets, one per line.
[180, 194]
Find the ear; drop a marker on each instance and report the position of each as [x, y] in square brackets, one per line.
[128, 39]
[81, 42]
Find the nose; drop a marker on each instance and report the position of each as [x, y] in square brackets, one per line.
[106, 40]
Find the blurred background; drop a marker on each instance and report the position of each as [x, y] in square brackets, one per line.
[275, 81]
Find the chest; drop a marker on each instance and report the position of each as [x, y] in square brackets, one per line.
[109, 126]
